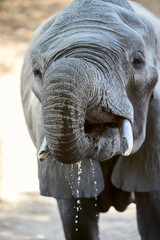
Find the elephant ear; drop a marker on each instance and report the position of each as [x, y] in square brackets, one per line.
[140, 172]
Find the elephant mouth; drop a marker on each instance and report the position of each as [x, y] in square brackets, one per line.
[89, 128]
[124, 127]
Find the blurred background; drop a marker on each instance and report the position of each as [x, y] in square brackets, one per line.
[18, 20]
[22, 211]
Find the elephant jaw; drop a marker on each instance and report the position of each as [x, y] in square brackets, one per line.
[126, 142]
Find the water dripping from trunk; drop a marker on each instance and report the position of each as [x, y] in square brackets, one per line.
[96, 189]
[95, 182]
[70, 183]
[75, 192]
[78, 202]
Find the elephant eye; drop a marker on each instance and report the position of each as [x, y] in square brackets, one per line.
[37, 73]
[137, 60]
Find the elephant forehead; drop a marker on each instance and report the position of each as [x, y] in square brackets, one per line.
[98, 24]
[88, 35]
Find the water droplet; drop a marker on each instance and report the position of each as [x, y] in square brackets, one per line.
[79, 168]
[77, 193]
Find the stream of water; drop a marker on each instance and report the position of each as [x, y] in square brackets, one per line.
[76, 194]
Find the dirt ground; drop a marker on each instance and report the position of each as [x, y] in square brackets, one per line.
[27, 216]
[32, 217]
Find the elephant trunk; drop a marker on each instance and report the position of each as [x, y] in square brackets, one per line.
[64, 104]
[71, 95]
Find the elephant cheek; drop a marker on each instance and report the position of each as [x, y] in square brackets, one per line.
[36, 88]
[140, 123]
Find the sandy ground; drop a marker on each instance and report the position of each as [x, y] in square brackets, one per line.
[27, 216]
[32, 217]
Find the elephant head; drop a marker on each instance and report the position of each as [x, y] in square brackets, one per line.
[93, 79]
[95, 70]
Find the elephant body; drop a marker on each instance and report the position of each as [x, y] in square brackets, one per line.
[89, 67]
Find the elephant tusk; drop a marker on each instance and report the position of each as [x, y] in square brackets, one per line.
[126, 137]
[43, 152]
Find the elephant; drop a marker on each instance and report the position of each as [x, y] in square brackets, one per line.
[91, 100]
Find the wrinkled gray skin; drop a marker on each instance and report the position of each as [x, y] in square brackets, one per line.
[88, 68]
